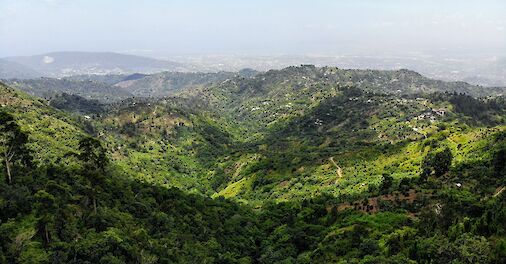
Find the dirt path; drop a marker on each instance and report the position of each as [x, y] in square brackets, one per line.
[339, 170]
[499, 191]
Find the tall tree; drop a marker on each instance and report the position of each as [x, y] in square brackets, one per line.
[12, 144]
[386, 183]
[94, 159]
[438, 163]
[499, 162]
[442, 161]
[45, 208]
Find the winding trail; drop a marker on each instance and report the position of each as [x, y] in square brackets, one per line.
[339, 170]
[499, 191]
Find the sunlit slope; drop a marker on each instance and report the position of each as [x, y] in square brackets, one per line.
[345, 145]
[52, 134]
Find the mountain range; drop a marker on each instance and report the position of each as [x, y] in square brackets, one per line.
[300, 165]
[113, 87]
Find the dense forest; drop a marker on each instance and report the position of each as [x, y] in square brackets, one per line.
[300, 165]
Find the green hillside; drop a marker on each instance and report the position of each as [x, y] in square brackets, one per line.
[300, 165]
[169, 83]
[90, 89]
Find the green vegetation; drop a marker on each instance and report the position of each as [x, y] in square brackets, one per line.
[290, 166]
[90, 89]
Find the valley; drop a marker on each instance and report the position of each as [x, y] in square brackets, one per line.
[295, 165]
[252, 132]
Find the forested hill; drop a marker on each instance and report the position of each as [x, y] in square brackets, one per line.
[91, 89]
[294, 78]
[293, 83]
[168, 83]
[301, 165]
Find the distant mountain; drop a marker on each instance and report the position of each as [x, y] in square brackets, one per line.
[296, 82]
[166, 83]
[60, 64]
[134, 76]
[260, 101]
[89, 89]
[113, 87]
[246, 86]
[108, 79]
[9, 70]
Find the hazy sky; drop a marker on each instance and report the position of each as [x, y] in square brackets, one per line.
[253, 27]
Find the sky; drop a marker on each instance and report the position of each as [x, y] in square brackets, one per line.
[260, 27]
